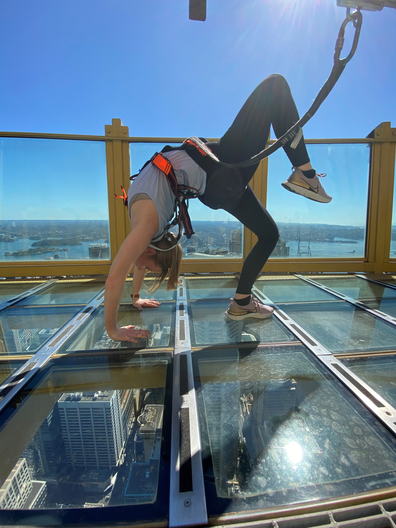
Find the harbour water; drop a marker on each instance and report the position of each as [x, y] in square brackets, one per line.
[74, 252]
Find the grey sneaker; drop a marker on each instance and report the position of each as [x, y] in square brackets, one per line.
[254, 309]
[309, 187]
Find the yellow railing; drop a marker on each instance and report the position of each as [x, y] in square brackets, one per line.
[379, 218]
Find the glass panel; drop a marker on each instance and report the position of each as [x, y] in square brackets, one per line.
[291, 290]
[25, 330]
[388, 306]
[306, 227]
[218, 234]
[93, 431]
[277, 428]
[160, 295]
[8, 290]
[341, 327]
[389, 279]
[53, 218]
[210, 326]
[211, 288]
[80, 292]
[7, 368]
[378, 372]
[358, 288]
[393, 232]
[159, 321]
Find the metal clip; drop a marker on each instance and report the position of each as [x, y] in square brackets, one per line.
[356, 18]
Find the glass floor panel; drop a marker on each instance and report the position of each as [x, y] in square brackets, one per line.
[209, 326]
[10, 290]
[95, 431]
[7, 368]
[159, 321]
[25, 330]
[387, 306]
[343, 328]
[160, 295]
[212, 288]
[390, 279]
[378, 372]
[358, 288]
[277, 428]
[80, 292]
[292, 290]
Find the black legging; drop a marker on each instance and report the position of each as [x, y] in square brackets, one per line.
[271, 103]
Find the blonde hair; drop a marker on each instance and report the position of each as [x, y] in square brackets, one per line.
[168, 261]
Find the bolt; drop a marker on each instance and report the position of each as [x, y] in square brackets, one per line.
[187, 503]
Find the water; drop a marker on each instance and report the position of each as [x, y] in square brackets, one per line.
[337, 249]
[80, 252]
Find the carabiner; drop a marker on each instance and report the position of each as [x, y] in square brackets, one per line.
[356, 18]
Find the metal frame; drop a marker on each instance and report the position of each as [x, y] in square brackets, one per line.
[20, 377]
[369, 397]
[187, 502]
[117, 139]
[377, 313]
[28, 293]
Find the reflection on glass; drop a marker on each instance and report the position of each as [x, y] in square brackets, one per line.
[277, 428]
[341, 327]
[60, 223]
[25, 330]
[307, 229]
[159, 322]
[217, 233]
[7, 368]
[378, 372]
[8, 290]
[291, 290]
[159, 295]
[388, 306]
[95, 437]
[79, 292]
[211, 289]
[388, 279]
[358, 288]
[209, 326]
[392, 254]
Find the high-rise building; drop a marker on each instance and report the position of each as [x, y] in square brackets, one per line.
[235, 244]
[222, 403]
[20, 491]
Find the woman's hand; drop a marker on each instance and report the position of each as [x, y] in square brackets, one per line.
[145, 303]
[128, 333]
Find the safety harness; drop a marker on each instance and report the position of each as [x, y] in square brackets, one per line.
[182, 193]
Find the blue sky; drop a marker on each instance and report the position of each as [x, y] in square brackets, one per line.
[70, 67]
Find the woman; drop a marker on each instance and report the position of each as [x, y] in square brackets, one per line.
[151, 206]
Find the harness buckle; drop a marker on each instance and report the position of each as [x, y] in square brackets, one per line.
[161, 163]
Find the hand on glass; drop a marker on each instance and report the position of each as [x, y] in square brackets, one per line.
[129, 333]
[146, 303]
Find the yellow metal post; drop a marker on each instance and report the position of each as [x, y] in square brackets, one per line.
[118, 172]
[382, 172]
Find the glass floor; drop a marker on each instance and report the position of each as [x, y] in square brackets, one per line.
[206, 421]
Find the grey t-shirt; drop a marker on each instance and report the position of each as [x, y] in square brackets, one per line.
[153, 183]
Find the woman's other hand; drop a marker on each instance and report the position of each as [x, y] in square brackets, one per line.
[129, 333]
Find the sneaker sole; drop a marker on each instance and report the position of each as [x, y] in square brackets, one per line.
[305, 192]
[253, 315]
